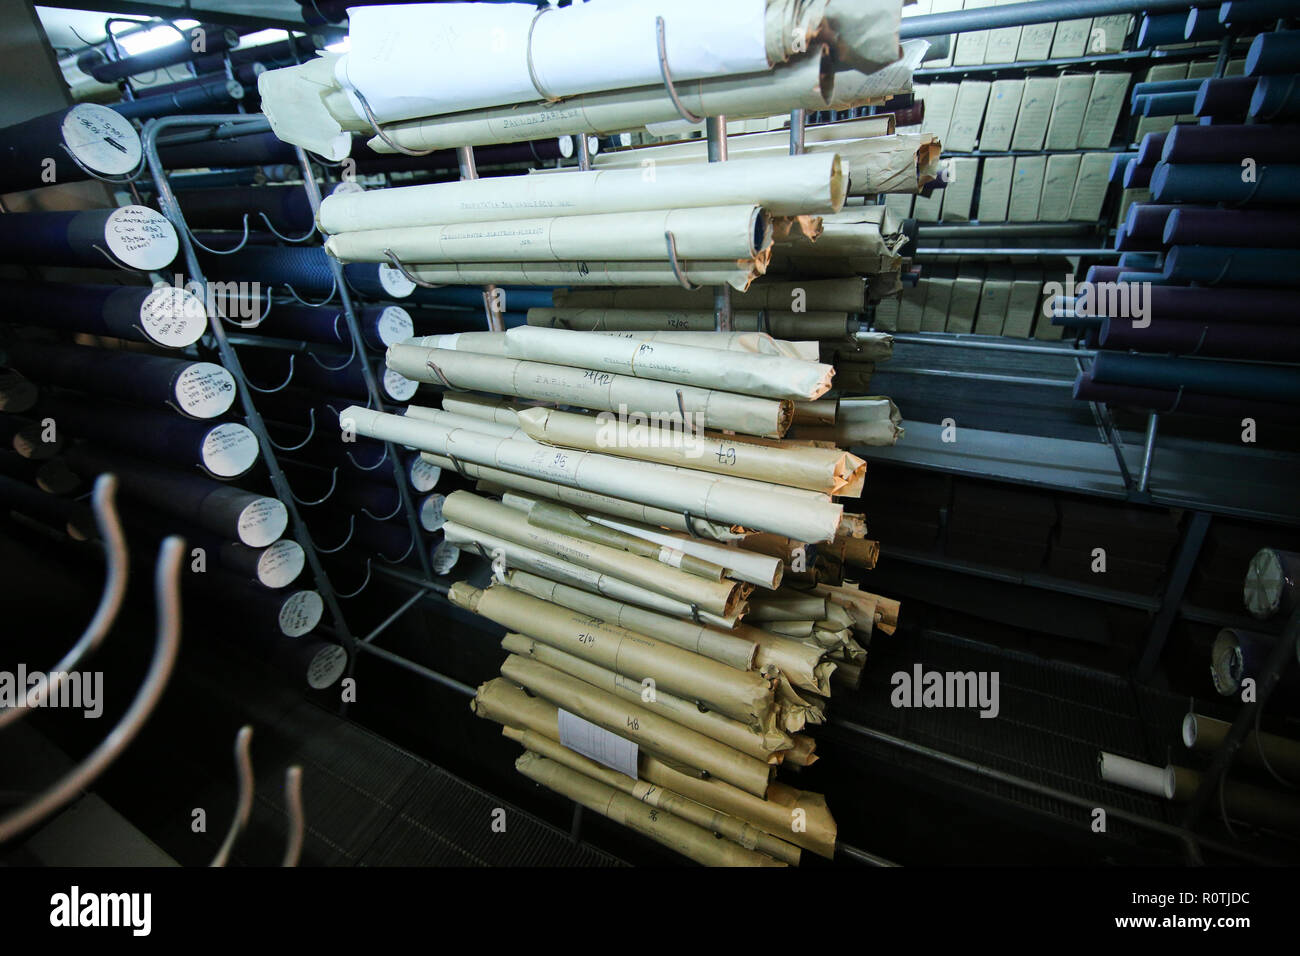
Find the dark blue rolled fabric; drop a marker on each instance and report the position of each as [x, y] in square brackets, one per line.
[91, 238]
[1135, 176]
[306, 269]
[1227, 265]
[1148, 153]
[390, 541]
[1221, 339]
[257, 149]
[205, 95]
[1276, 99]
[1103, 274]
[381, 326]
[1229, 144]
[1148, 87]
[1150, 278]
[1175, 303]
[223, 450]
[1166, 104]
[167, 317]
[39, 151]
[200, 390]
[1239, 13]
[207, 37]
[1203, 24]
[1169, 402]
[1227, 99]
[1146, 220]
[517, 298]
[268, 367]
[286, 207]
[1275, 52]
[1266, 383]
[223, 179]
[1125, 241]
[1118, 163]
[254, 611]
[1139, 260]
[1192, 225]
[63, 514]
[380, 499]
[1160, 29]
[1222, 182]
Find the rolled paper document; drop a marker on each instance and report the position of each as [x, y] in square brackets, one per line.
[1144, 777]
[699, 494]
[448, 419]
[825, 470]
[508, 554]
[1280, 755]
[742, 695]
[737, 273]
[674, 832]
[636, 723]
[717, 596]
[724, 824]
[755, 343]
[788, 606]
[759, 745]
[871, 420]
[806, 325]
[1241, 801]
[796, 299]
[783, 186]
[794, 815]
[710, 232]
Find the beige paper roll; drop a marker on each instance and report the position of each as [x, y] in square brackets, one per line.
[720, 597]
[452, 420]
[713, 643]
[1243, 801]
[761, 746]
[784, 186]
[813, 829]
[742, 695]
[488, 407]
[724, 824]
[738, 273]
[604, 391]
[822, 295]
[674, 832]
[807, 325]
[700, 494]
[1263, 750]
[636, 723]
[787, 606]
[824, 470]
[872, 420]
[755, 343]
[711, 232]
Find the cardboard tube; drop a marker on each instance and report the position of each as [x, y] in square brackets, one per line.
[797, 300]
[1267, 751]
[1146, 778]
[1242, 801]
[638, 724]
[741, 695]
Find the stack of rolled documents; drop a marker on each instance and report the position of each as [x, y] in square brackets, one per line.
[672, 635]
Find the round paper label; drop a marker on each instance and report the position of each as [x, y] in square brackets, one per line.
[103, 140]
[394, 325]
[281, 563]
[141, 237]
[300, 613]
[394, 283]
[205, 390]
[431, 512]
[262, 522]
[326, 667]
[172, 317]
[398, 387]
[424, 475]
[444, 557]
[229, 449]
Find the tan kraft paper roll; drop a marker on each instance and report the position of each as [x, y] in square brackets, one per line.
[826, 470]
[721, 597]
[784, 186]
[733, 828]
[742, 695]
[712, 232]
[737, 273]
[674, 832]
[755, 343]
[813, 828]
[813, 295]
[760, 746]
[604, 391]
[698, 493]
[640, 725]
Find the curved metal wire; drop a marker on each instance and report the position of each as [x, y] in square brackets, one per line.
[374, 517]
[679, 273]
[104, 498]
[334, 289]
[297, 818]
[409, 548]
[364, 584]
[666, 75]
[242, 324]
[116, 263]
[352, 529]
[221, 252]
[167, 641]
[271, 391]
[123, 180]
[311, 432]
[244, 804]
[396, 263]
[361, 467]
[336, 368]
[379, 130]
[334, 481]
[281, 236]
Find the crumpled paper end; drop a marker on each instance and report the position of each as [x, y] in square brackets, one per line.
[293, 99]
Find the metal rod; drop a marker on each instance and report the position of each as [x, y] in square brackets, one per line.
[469, 170]
[584, 152]
[367, 373]
[966, 343]
[171, 208]
[862, 856]
[1021, 14]
[1005, 252]
[798, 123]
[410, 665]
[715, 128]
[405, 606]
[1026, 230]
[985, 377]
[1148, 451]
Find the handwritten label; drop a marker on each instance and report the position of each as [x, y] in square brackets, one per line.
[300, 613]
[204, 390]
[280, 564]
[262, 522]
[173, 318]
[229, 450]
[141, 237]
[102, 139]
[597, 743]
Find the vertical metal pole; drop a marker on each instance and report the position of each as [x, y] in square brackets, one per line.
[367, 373]
[584, 152]
[468, 170]
[798, 121]
[716, 130]
[1148, 451]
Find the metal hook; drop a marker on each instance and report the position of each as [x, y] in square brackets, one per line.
[695, 614]
[221, 252]
[167, 639]
[667, 76]
[364, 584]
[311, 417]
[455, 463]
[446, 382]
[297, 819]
[352, 528]
[239, 323]
[336, 368]
[374, 517]
[396, 263]
[334, 480]
[117, 264]
[690, 524]
[124, 180]
[361, 467]
[379, 130]
[279, 388]
[678, 272]
[281, 236]
[334, 288]
[244, 805]
[104, 498]
[409, 548]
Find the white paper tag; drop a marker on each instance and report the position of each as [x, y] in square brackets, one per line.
[444, 557]
[394, 325]
[424, 475]
[141, 237]
[262, 522]
[394, 283]
[597, 743]
[281, 563]
[205, 390]
[300, 613]
[172, 317]
[102, 139]
[229, 450]
[326, 667]
[431, 512]
[398, 387]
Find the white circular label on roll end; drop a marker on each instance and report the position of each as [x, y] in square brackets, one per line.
[393, 282]
[141, 237]
[205, 390]
[565, 143]
[326, 667]
[300, 613]
[262, 522]
[444, 557]
[172, 317]
[101, 139]
[398, 387]
[229, 450]
[394, 325]
[281, 563]
[431, 512]
[424, 475]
